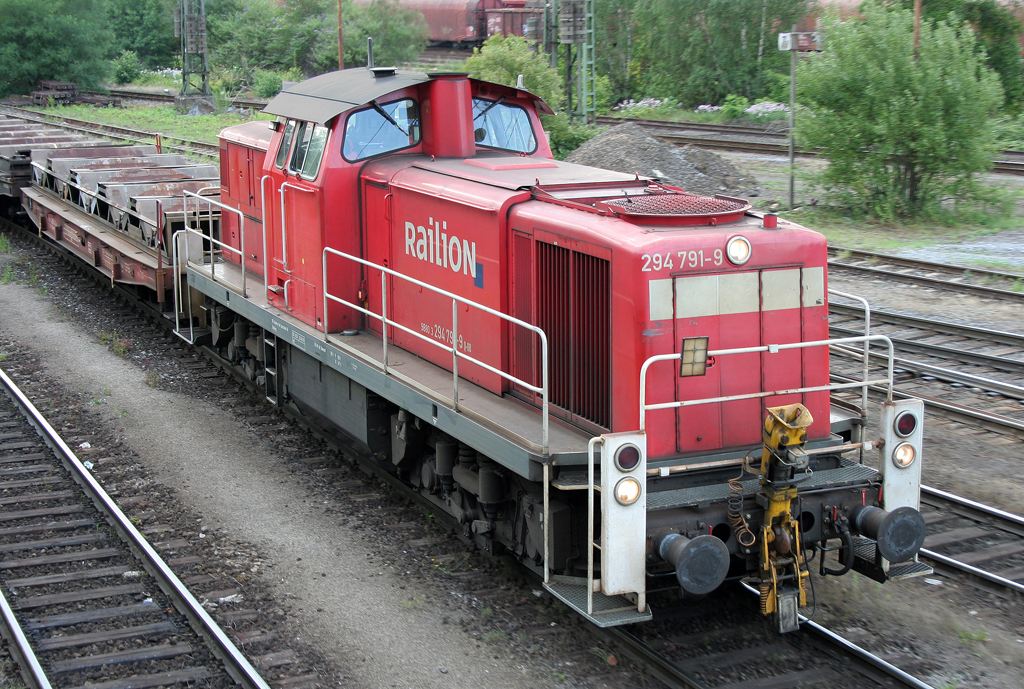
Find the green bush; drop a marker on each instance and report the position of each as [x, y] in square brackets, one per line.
[127, 67]
[906, 132]
[733, 106]
[266, 84]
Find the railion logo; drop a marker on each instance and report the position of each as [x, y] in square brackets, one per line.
[433, 245]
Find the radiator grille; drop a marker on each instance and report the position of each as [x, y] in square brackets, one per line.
[591, 334]
[573, 308]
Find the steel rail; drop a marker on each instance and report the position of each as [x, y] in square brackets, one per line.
[998, 421]
[945, 327]
[938, 282]
[234, 661]
[854, 649]
[17, 643]
[963, 271]
[642, 654]
[948, 375]
[935, 496]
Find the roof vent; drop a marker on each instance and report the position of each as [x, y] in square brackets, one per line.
[677, 208]
[383, 71]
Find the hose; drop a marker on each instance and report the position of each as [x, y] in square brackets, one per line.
[744, 536]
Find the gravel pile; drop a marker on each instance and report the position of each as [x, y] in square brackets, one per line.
[629, 148]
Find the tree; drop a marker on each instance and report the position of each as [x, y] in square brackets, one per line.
[146, 28]
[399, 33]
[902, 134]
[699, 51]
[58, 39]
[997, 28]
[615, 46]
[502, 59]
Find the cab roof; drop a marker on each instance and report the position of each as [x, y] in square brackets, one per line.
[326, 96]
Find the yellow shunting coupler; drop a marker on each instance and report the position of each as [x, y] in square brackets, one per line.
[783, 569]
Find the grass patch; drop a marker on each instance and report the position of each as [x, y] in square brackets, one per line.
[495, 636]
[885, 237]
[163, 119]
[5, 244]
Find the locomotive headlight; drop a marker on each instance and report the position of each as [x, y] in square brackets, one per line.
[627, 491]
[904, 455]
[738, 250]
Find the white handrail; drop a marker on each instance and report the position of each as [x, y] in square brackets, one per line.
[178, 292]
[867, 345]
[453, 350]
[263, 220]
[241, 232]
[284, 235]
[771, 349]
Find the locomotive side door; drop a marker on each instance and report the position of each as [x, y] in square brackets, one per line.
[376, 247]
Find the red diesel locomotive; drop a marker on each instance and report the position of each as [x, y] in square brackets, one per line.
[612, 379]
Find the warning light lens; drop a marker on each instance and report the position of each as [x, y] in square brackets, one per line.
[904, 455]
[906, 423]
[627, 457]
[738, 250]
[627, 491]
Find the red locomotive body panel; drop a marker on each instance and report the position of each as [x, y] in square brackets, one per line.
[544, 242]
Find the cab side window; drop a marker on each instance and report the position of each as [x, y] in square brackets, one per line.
[286, 143]
[372, 132]
[502, 125]
[310, 141]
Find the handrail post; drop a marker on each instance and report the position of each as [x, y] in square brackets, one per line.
[323, 263]
[544, 386]
[547, 533]
[455, 353]
[590, 522]
[263, 219]
[384, 313]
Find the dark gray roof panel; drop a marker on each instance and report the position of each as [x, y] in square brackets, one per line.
[328, 95]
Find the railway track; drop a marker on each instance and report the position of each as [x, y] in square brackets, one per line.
[970, 374]
[977, 281]
[977, 541]
[720, 643]
[82, 609]
[168, 98]
[749, 139]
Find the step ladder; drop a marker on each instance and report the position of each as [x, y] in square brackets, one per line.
[272, 367]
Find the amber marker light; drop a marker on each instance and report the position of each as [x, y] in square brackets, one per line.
[738, 250]
[627, 491]
[904, 455]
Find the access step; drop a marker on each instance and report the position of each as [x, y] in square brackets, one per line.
[609, 611]
[865, 561]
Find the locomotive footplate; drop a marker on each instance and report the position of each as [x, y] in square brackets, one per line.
[867, 561]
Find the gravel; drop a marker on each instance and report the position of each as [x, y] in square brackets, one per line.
[628, 148]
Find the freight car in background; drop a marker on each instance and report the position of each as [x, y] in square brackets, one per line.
[468, 23]
[613, 380]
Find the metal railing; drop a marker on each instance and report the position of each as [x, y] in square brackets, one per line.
[387, 322]
[198, 229]
[284, 234]
[867, 345]
[179, 306]
[770, 349]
